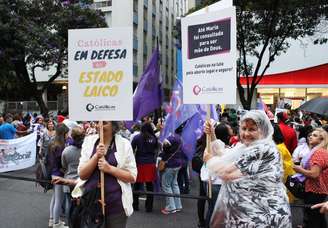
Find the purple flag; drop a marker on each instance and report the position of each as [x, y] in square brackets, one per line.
[177, 112]
[191, 132]
[203, 110]
[147, 96]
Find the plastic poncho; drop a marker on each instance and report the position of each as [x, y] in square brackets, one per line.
[256, 195]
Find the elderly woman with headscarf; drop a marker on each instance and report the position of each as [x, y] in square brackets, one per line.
[252, 194]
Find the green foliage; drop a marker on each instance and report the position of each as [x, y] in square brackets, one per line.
[35, 34]
[268, 26]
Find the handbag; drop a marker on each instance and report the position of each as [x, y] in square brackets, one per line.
[296, 187]
[161, 165]
[87, 211]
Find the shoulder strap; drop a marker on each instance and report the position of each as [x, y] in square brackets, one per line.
[173, 154]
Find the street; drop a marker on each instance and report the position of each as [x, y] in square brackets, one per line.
[23, 206]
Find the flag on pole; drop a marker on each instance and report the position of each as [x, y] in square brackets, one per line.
[190, 133]
[177, 111]
[148, 96]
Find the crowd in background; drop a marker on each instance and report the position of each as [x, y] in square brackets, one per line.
[301, 140]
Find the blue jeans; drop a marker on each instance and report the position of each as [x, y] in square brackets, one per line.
[170, 185]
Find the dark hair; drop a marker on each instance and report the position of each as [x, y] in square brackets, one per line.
[50, 121]
[280, 116]
[147, 130]
[78, 136]
[222, 133]
[115, 126]
[59, 140]
[277, 136]
[304, 131]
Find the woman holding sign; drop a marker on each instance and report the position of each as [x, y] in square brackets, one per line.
[115, 158]
[252, 194]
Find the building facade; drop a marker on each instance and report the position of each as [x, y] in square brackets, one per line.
[151, 20]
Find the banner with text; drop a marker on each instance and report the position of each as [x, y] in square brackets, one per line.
[100, 74]
[209, 57]
[17, 153]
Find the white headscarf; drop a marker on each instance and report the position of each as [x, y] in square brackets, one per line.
[262, 122]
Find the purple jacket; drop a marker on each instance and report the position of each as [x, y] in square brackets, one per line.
[176, 147]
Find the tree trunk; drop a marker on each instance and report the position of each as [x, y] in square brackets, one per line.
[43, 106]
[246, 103]
[22, 73]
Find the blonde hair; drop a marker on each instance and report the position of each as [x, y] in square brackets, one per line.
[324, 137]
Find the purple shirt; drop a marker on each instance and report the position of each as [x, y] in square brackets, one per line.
[176, 147]
[113, 191]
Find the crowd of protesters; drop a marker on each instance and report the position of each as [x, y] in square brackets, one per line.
[130, 158]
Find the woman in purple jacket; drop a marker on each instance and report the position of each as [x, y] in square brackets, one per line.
[55, 151]
[145, 146]
[172, 155]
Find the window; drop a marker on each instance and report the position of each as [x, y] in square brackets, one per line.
[103, 4]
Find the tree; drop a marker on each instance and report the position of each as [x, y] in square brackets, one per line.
[265, 28]
[35, 35]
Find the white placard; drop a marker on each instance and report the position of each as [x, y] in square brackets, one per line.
[209, 57]
[100, 74]
[18, 153]
[214, 7]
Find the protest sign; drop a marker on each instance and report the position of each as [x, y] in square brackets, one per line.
[17, 153]
[209, 57]
[100, 74]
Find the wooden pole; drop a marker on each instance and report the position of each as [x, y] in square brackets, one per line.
[208, 137]
[102, 176]
[208, 148]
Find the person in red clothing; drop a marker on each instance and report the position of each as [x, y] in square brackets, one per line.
[316, 183]
[290, 138]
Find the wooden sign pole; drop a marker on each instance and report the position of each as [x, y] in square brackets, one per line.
[102, 176]
[208, 148]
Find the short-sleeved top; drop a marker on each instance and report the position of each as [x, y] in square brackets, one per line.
[44, 142]
[113, 191]
[320, 184]
[7, 131]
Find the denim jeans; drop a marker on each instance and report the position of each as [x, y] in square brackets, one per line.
[56, 202]
[170, 185]
[68, 203]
